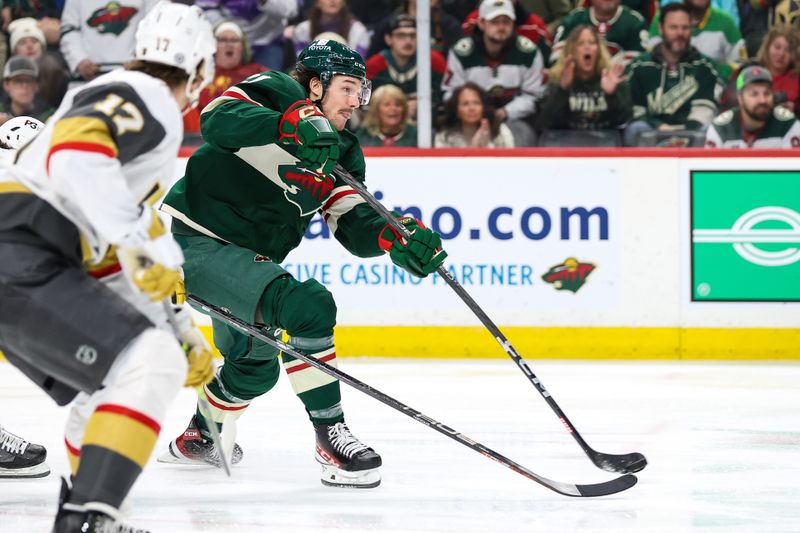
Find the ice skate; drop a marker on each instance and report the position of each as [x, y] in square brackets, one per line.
[20, 458]
[191, 448]
[74, 518]
[345, 460]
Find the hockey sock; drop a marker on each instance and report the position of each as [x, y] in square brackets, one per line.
[116, 446]
[318, 391]
[222, 403]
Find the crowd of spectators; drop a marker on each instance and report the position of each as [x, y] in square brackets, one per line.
[504, 73]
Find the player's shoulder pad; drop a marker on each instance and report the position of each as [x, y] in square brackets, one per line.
[525, 45]
[725, 118]
[783, 114]
[123, 111]
[464, 46]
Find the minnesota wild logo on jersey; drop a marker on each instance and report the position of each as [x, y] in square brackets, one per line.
[113, 18]
[304, 188]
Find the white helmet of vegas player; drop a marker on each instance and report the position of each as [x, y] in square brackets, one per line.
[179, 36]
[18, 131]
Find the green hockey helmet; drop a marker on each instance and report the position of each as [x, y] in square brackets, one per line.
[328, 58]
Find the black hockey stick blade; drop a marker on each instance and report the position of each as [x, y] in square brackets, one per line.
[567, 489]
[626, 463]
[622, 464]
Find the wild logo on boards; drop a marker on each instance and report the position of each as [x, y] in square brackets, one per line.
[568, 276]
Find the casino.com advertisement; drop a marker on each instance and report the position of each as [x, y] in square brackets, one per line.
[520, 238]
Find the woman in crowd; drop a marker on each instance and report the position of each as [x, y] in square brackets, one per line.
[232, 64]
[469, 121]
[778, 54]
[387, 122]
[586, 91]
[333, 16]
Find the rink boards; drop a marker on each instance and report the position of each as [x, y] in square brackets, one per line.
[578, 254]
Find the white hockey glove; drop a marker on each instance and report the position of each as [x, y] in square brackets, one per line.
[198, 351]
[150, 257]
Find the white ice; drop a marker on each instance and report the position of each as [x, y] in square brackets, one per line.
[723, 441]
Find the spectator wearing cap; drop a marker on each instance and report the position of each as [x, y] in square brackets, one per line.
[46, 13]
[27, 39]
[529, 25]
[757, 122]
[623, 30]
[335, 16]
[262, 22]
[21, 85]
[98, 36]
[507, 66]
[673, 87]
[397, 65]
[232, 64]
[387, 122]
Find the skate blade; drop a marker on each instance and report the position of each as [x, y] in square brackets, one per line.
[176, 458]
[362, 479]
[40, 470]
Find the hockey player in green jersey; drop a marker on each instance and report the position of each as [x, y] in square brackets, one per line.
[245, 202]
[757, 122]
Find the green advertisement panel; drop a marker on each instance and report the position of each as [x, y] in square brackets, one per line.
[745, 235]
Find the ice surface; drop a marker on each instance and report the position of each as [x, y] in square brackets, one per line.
[723, 441]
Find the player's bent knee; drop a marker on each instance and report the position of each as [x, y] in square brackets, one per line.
[311, 310]
[148, 373]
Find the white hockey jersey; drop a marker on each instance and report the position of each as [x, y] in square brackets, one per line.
[110, 147]
[101, 30]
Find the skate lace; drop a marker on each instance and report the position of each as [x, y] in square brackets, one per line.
[12, 443]
[343, 441]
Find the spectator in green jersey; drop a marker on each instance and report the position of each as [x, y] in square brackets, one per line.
[673, 87]
[714, 34]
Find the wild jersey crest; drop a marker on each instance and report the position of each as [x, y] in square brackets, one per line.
[304, 188]
[113, 18]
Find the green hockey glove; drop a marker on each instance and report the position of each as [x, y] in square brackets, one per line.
[420, 255]
[305, 126]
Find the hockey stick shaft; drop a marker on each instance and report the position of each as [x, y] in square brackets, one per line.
[202, 399]
[567, 489]
[614, 463]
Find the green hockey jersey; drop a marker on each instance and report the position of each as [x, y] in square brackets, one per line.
[716, 36]
[782, 130]
[625, 33]
[684, 95]
[244, 188]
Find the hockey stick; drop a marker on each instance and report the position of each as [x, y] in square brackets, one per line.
[625, 463]
[567, 489]
[202, 399]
